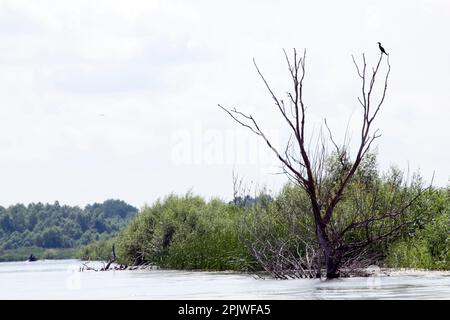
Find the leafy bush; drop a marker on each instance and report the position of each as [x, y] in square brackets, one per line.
[97, 250]
[185, 233]
[428, 245]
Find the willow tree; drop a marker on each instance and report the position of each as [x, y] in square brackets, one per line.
[306, 165]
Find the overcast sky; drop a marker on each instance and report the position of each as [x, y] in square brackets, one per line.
[118, 99]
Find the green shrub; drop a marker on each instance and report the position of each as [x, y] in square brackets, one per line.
[413, 254]
[185, 233]
[97, 250]
[427, 246]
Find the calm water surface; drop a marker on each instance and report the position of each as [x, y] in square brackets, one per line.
[60, 279]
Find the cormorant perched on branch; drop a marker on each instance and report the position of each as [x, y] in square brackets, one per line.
[381, 48]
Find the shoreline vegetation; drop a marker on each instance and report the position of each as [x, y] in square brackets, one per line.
[57, 231]
[261, 234]
[254, 234]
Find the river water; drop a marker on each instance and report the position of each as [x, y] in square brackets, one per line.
[61, 279]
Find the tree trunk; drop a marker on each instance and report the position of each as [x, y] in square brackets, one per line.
[332, 258]
[332, 265]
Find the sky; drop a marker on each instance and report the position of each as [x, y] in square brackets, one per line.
[118, 99]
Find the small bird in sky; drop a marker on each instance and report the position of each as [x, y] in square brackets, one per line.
[381, 48]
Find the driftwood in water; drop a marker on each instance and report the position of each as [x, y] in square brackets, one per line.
[108, 265]
[87, 267]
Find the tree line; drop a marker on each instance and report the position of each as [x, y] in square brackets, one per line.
[61, 226]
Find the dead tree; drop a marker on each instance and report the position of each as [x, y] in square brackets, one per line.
[106, 264]
[306, 167]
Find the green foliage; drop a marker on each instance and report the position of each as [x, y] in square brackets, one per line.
[97, 250]
[185, 233]
[376, 208]
[55, 226]
[426, 247]
[410, 254]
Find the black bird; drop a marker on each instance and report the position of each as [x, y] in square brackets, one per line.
[381, 48]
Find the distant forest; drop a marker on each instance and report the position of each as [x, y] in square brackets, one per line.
[61, 226]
